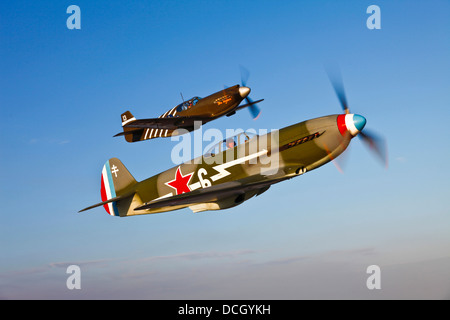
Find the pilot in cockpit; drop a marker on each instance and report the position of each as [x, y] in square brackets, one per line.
[231, 143]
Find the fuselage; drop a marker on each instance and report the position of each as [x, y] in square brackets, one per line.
[288, 152]
[208, 109]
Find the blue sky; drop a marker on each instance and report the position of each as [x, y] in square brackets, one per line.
[61, 94]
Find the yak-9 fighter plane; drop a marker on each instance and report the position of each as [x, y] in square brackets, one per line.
[188, 115]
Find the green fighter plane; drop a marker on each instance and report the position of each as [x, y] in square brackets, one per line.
[237, 169]
[196, 111]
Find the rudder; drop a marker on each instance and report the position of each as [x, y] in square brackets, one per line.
[131, 134]
[116, 181]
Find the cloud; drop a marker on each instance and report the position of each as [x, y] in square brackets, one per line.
[116, 269]
[190, 256]
[334, 255]
[285, 260]
[46, 268]
[78, 263]
[24, 272]
[338, 274]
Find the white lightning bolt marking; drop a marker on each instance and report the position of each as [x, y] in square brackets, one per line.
[221, 168]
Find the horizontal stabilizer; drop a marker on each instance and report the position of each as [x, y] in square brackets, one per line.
[108, 201]
[127, 132]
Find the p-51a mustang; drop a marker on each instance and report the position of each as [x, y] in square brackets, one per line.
[236, 170]
[187, 114]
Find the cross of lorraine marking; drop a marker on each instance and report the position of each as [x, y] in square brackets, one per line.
[114, 170]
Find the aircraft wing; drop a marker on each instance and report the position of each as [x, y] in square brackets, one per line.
[248, 104]
[166, 123]
[211, 194]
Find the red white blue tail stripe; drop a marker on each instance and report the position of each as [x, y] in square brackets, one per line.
[107, 191]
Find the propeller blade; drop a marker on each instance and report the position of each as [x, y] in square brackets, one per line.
[244, 76]
[339, 161]
[333, 160]
[247, 105]
[376, 144]
[338, 86]
[255, 111]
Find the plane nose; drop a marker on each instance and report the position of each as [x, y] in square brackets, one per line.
[359, 122]
[244, 91]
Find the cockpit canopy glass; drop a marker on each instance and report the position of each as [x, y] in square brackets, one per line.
[229, 143]
[188, 104]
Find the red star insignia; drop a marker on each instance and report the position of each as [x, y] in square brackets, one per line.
[180, 183]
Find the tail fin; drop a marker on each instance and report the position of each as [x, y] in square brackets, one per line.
[131, 134]
[127, 117]
[117, 190]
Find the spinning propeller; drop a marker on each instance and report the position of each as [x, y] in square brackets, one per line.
[255, 111]
[376, 144]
